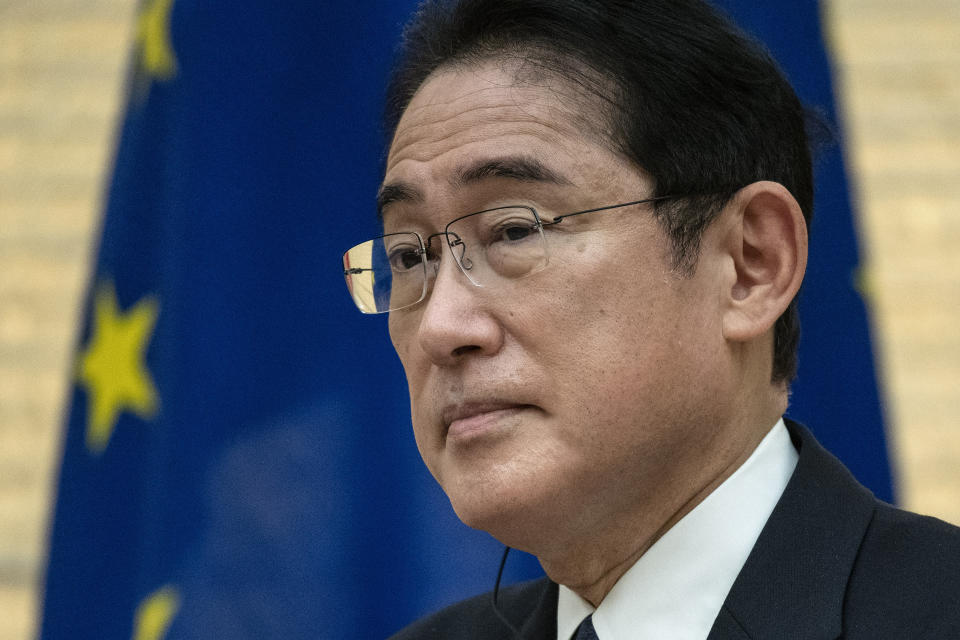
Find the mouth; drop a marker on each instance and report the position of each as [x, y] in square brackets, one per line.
[473, 418]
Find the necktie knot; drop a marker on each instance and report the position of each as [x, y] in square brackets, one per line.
[586, 631]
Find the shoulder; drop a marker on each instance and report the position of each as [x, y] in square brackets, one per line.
[475, 619]
[915, 540]
[906, 579]
[834, 561]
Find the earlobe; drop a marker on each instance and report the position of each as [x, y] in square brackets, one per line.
[767, 242]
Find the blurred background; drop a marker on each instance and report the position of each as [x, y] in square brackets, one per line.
[62, 70]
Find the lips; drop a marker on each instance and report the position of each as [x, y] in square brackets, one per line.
[469, 418]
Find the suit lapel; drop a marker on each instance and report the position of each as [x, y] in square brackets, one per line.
[794, 580]
[542, 622]
[726, 627]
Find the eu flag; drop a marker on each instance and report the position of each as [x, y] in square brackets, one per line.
[237, 460]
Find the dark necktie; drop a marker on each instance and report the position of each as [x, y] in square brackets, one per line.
[586, 631]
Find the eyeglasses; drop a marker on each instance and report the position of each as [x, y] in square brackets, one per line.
[393, 271]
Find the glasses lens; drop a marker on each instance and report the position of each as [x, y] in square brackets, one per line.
[505, 243]
[386, 273]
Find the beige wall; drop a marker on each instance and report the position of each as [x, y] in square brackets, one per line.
[61, 67]
[899, 73]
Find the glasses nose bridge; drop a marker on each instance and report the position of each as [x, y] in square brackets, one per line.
[429, 239]
[451, 239]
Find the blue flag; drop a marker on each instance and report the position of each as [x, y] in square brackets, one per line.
[238, 461]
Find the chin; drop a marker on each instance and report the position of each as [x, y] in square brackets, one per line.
[514, 517]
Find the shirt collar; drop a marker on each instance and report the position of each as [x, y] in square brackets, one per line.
[677, 587]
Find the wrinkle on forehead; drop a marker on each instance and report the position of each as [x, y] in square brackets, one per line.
[426, 129]
[443, 115]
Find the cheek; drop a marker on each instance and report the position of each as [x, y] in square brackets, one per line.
[623, 340]
[395, 326]
[403, 337]
[426, 447]
[413, 359]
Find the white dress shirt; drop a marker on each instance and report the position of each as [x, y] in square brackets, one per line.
[675, 590]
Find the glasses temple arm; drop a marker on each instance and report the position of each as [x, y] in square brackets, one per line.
[612, 206]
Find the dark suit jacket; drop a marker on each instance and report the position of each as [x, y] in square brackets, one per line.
[831, 562]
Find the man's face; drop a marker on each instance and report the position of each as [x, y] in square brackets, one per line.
[594, 387]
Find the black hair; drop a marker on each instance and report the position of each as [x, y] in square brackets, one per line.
[684, 94]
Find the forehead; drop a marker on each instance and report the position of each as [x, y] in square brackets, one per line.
[484, 109]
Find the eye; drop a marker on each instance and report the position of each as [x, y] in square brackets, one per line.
[513, 231]
[404, 258]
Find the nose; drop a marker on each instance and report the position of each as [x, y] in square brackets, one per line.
[456, 320]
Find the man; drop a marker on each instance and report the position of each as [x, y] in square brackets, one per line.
[595, 227]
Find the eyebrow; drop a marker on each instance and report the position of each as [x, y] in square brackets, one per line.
[396, 192]
[519, 168]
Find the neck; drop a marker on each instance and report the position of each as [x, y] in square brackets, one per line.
[592, 564]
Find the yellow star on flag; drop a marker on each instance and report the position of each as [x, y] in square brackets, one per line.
[156, 56]
[155, 613]
[113, 369]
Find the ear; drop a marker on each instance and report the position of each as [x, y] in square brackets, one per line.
[767, 241]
